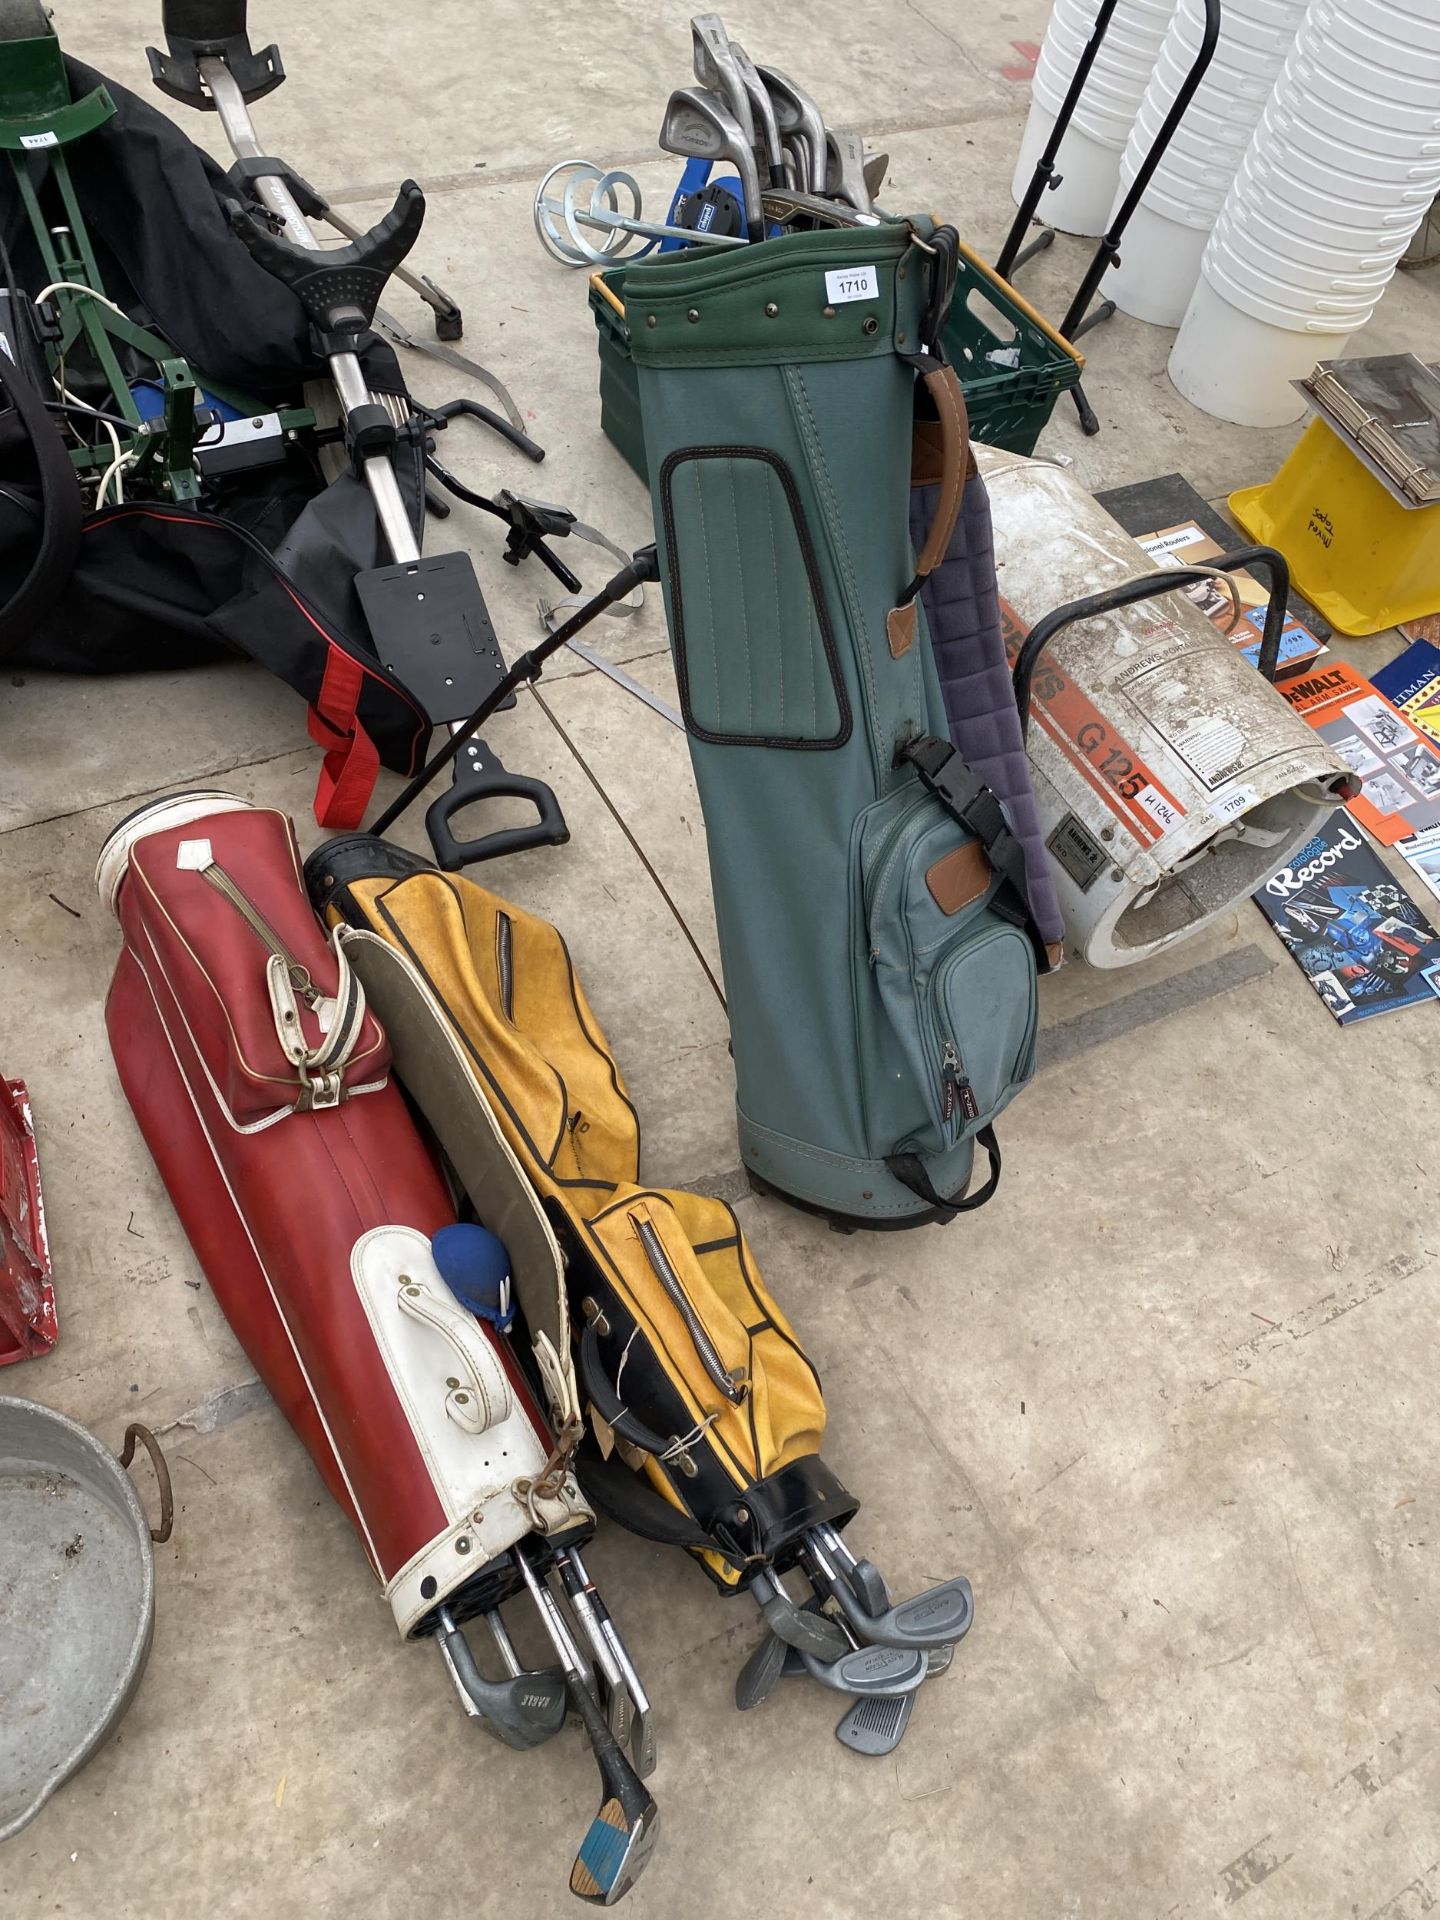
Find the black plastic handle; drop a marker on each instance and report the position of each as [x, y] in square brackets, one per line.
[600, 1392]
[197, 30]
[339, 287]
[1147, 586]
[479, 776]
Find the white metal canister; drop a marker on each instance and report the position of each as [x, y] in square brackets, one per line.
[1172, 780]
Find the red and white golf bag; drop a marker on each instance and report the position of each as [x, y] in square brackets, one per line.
[260, 1079]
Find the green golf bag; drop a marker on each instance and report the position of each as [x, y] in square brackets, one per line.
[879, 953]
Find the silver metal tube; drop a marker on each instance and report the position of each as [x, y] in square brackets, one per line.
[345, 369]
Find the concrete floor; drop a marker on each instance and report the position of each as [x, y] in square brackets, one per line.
[1169, 1401]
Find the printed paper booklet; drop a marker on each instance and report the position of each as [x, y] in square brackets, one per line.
[1399, 765]
[1358, 936]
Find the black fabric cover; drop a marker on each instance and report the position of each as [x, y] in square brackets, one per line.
[962, 609]
[266, 567]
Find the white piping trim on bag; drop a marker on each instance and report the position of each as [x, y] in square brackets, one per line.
[370, 1548]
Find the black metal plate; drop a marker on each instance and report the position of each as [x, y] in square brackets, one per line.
[431, 628]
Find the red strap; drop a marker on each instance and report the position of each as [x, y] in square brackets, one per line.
[347, 779]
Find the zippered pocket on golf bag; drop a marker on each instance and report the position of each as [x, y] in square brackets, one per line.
[690, 1363]
[955, 979]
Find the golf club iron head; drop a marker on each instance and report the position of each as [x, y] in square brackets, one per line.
[767, 133]
[796, 1626]
[622, 1835]
[845, 169]
[796, 112]
[877, 165]
[867, 1670]
[522, 1711]
[699, 125]
[716, 67]
[876, 1726]
[938, 1617]
[760, 1674]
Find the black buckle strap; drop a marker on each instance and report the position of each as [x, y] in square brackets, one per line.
[976, 808]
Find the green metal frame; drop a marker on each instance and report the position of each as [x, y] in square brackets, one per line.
[37, 115]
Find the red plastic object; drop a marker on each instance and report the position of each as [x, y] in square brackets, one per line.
[27, 1300]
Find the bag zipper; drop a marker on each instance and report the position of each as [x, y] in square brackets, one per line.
[504, 966]
[955, 1087]
[299, 975]
[680, 1300]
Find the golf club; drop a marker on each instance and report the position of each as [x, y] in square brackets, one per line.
[617, 1700]
[642, 1736]
[699, 125]
[845, 169]
[800, 212]
[867, 1670]
[522, 1711]
[797, 1627]
[777, 161]
[621, 1836]
[877, 1725]
[716, 67]
[865, 1577]
[936, 1618]
[796, 112]
[757, 1679]
[877, 165]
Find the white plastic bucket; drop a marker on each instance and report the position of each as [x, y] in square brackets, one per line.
[1279, 229]
[1239, 368]
[1276, 304]
[1380, 41]
[1339, 88]
[1355, 143]
[1271, 179]
[1159, 261]
[1342, 276]
[1088, 168]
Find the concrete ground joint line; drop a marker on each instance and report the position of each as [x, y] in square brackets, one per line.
[529, 173]
[201, 777]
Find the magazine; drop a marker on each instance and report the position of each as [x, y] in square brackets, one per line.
[1421, 852]
[1187, 544]
[1399, 766]
[1412, 683]
[1354, 932]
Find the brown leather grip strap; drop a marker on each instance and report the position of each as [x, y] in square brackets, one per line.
[949, 401]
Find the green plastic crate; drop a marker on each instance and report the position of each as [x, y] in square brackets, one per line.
[1012, 363]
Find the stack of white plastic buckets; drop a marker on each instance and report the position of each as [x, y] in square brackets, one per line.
[1089, 157]
[1161, 249]
[1338, 175]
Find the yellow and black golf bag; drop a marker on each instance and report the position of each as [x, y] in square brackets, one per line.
[690, 1371]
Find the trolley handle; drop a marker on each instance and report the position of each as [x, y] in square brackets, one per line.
[1149, 586]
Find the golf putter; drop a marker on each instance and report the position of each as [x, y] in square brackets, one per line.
[613, 1853]
[617, 1700]
[936, 1618]
[716, 67]
[796, 112]
[876, 1726]
[523, 1711]
[642, 1733]
[845, 170]
[777, 161]
[805, 1631]
[699, 125]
